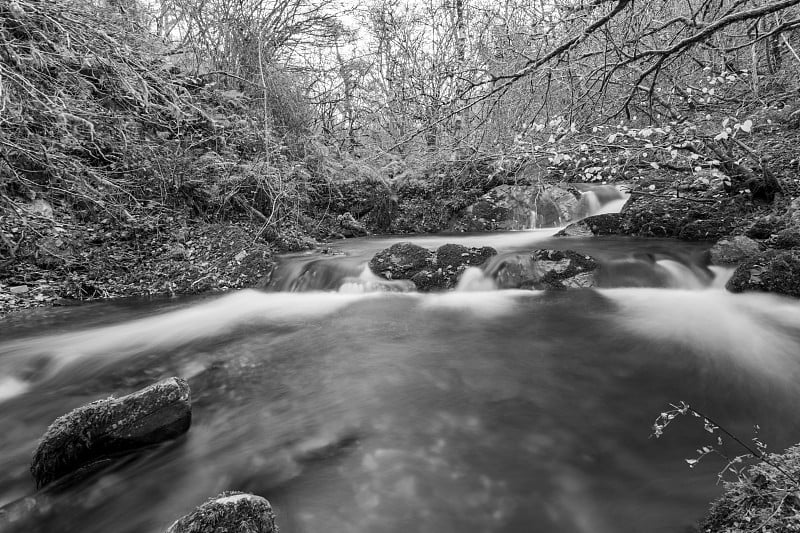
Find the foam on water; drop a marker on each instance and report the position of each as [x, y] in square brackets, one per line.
[474, 279]
[614, 206]
[11, 387]
[110, 344]
[369, 282]
[590, 203]
[721, 276]
[488, 304]
[760, 332]
[683, 277]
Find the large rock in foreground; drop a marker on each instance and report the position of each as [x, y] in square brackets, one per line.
[112, 426]
[230, 512]
[771, 271]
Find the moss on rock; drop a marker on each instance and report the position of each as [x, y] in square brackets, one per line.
[762, 500]
[787, 238]
[733, 250]
[771, 271]
[401, 261]
[454, 256]
[112, 426]
[428, 270]
[230, 512]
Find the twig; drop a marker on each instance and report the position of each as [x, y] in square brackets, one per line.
[755, 453]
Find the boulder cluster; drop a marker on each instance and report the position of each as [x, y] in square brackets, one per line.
[428, 269]
[441, 269]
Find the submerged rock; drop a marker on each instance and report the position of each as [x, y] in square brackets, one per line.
[515, 272]
[545, 269]
[103, 428]
[733, 250]
[230, 512]
[564, 269]
[771, 271]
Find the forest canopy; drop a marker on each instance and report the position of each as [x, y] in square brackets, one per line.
[256, 106]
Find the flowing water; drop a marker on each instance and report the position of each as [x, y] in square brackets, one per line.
[354, 408]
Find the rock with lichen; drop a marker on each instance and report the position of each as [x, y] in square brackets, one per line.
[230, 512]
[428, 270]
[451, 257]
[401, 261]
[772, 271]
[111, 427]
[733, 250]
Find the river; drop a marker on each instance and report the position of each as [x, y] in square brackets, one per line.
[357, 409]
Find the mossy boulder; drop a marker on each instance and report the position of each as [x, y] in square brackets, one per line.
[230, 512]
[401, 261]
[455, 256]
[772, 271]
[428, 270]
[432, 280]
[110, 427]
[734, 250]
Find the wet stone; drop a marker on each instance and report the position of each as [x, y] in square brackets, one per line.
[772, 271]
[111, 427]
[401, 261]
[545, 270]
[428, 270]
[228, 513]
[734, 250]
